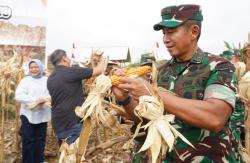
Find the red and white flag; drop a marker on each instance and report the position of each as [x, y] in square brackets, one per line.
[157, 44]
[73, 51]
[156, 56]
[156, 52]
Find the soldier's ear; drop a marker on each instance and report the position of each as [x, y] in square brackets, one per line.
[195, 31]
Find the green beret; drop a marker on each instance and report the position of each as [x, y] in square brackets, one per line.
[174, 16]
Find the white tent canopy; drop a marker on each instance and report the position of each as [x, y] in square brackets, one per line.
[119, 53]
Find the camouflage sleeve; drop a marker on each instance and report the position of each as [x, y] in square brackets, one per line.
[220, 92]
[237, 119]
[223, 75]
[222, 82]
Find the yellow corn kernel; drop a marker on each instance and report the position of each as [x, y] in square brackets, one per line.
[142, 70]
[139, 71]
[115, 80]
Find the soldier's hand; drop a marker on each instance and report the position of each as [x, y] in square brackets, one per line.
[136, 87]
[120, 94]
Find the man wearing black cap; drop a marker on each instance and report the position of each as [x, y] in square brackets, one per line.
[205, 86]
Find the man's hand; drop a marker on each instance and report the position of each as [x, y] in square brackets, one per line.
[132, 86]
[136, 87]
[100, 68]
[119, 93]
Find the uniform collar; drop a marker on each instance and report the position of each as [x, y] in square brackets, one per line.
[196, 58]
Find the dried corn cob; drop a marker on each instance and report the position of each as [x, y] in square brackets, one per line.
[131, 72]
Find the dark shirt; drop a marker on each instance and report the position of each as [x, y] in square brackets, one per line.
[65, 88]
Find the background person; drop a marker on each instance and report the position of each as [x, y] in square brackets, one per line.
[65, 87]
[33, 89]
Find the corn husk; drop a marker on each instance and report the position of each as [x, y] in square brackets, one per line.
[33, 105]
[159, 127]
[93, 103]
[68, 152]
[7, 69]
[10, 73]
[94, 109]
[240, 69]
[244, 87]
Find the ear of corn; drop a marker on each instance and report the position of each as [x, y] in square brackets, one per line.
[131, 72]
[138, 71]
[33, 105]
[115, 80]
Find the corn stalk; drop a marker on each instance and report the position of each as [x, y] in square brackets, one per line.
[19, 76]
[94, 108]
[8, 70]
[3, 105]
[104, 127]
[244, 91]
[246, 53]
[104, 124]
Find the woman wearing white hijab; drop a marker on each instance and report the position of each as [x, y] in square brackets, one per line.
[32, 89]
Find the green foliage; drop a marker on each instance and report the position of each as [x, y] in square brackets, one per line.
[241, 54]
[236, 51]
[227, 45]
[10, 99]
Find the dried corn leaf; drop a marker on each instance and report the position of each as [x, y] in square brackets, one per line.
[159, 127]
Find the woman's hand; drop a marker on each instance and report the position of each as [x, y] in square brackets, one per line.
[41, 101]
[38, 102]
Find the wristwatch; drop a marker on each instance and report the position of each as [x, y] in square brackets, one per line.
[124, 102]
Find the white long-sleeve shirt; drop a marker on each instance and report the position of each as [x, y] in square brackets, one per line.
[30, 90]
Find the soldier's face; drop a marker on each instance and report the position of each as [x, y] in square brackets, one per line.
[177, 41]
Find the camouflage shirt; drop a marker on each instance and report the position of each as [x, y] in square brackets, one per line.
[204, 76]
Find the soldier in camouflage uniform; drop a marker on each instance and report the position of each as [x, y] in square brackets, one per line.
[233, 55]
[227, 54]
[205, 86]
[236, 122]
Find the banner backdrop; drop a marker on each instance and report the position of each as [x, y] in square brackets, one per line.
[23, 28]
